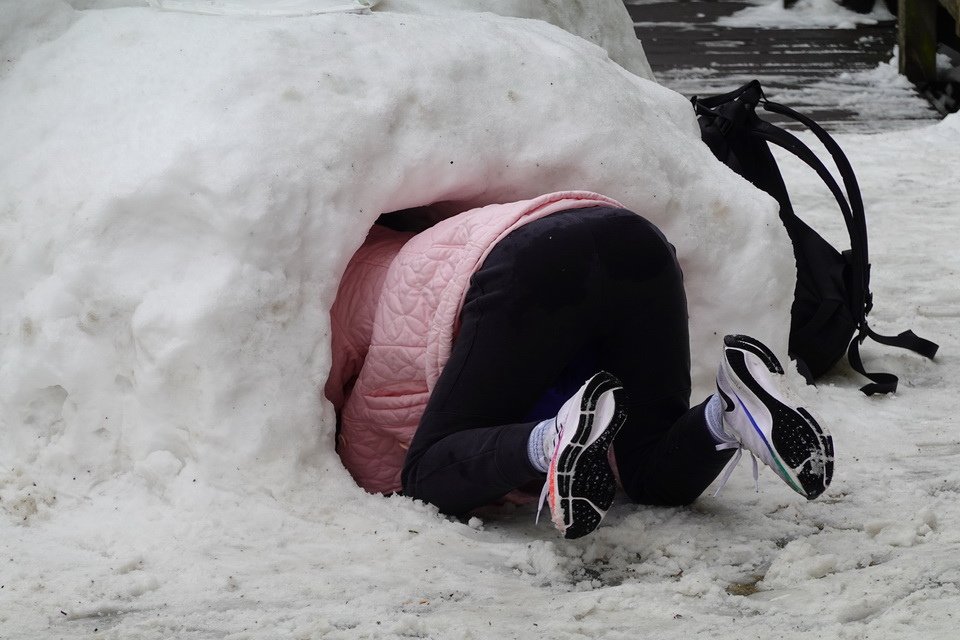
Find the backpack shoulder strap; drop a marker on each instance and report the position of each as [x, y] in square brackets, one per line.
[859, 295]
[858, 235]
[786, 140]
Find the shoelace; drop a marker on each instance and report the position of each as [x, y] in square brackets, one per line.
[543, 498]
[736, 444]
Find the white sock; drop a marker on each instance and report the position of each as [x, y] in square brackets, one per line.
[541, 444]
[713, 412]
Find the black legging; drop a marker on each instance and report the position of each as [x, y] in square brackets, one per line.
[560, 298]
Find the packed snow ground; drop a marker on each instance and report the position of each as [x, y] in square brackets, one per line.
[177, 202]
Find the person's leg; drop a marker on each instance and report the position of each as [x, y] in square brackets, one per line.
[665, 454]
[579, 290]
[527, 314]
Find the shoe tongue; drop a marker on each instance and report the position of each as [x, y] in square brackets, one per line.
[550, 435]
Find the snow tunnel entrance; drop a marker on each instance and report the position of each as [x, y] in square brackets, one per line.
[353, 326]
[420, 218]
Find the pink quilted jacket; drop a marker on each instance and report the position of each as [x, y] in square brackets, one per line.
[394, 322]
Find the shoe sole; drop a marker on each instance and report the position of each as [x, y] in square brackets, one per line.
[801, 448]
[582, 485]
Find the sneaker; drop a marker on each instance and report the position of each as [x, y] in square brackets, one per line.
[580, 484]
[758, 419]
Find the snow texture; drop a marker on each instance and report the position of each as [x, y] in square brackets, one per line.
[179, 194]
[264, 8]
[602, 22]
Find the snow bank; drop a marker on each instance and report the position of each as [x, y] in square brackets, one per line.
[178, 195]
[805, 14]
[181, 193]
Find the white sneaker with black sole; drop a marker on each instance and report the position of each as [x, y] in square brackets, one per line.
[580, 484]
[758, 419]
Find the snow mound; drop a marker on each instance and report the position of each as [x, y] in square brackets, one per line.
[805, 14]
[180, 194]
[276, 8]
[603, 22]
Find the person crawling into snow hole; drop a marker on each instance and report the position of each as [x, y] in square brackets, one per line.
[545, 342]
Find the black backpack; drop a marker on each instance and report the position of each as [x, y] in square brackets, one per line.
[832, 297]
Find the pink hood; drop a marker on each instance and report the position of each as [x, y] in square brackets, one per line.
[394, 322]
